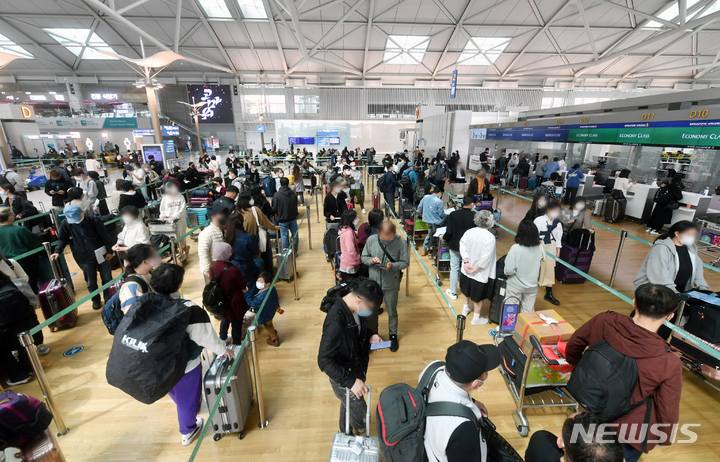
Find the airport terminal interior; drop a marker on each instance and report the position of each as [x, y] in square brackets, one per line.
[329, 119]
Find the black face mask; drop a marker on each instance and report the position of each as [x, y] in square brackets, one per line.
[222, 222]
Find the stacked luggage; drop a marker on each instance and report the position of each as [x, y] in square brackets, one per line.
[202, 196]
[578, 251]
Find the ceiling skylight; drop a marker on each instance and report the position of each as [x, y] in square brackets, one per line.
[405, 49]
[9, 47]
[216, 9]
[482, 51]
[672, 14]
[73, 40]
[252, 9]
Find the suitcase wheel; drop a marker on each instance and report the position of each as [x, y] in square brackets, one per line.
[217, 436]
[241, 434]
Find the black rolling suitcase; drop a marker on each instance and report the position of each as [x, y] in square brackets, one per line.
[612, 211]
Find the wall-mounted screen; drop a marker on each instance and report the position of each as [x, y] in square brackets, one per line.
[306, 140]
[219, 104]
[478, 133]
[327, 132]
[328, 141]
[155, 150]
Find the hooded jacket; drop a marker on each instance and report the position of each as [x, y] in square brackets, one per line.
[661, 265]
[659, 371]
[285, 205]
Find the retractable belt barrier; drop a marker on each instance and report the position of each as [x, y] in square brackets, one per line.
[690, 339]
[249, 338]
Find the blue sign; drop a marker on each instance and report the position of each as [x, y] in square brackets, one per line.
[303, 140]
[119, 122]
[261, 128]
[73, 351]
[329, 132]
[143, 132]
[170, 130]
[169, 147]
[453, 84]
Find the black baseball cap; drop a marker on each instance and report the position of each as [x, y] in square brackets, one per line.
[466, 361]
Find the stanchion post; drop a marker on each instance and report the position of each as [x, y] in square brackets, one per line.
[460, 324]
[294, 259]
[623, 236]
[317, 202]
[26, 341]
[309, 231]
[407, 272]
[258, 385]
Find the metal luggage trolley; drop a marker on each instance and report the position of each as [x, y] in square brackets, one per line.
[442, 260]
[171, 230]
[709, 242]
[540, 385]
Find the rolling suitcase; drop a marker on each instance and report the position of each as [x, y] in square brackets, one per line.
[523, 183]
[599, 207]
[580, 257]
[43, 449]
[234, 407]
[285, 271]
[56, 295]
[201, 201]
[612, 211]
[376, 200]
[349, 448]
[533, 183]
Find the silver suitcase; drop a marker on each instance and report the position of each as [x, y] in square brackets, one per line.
[350, 448]
[285, 271]
[234, 407]
[599, 207]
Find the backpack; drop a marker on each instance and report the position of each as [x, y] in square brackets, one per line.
[102, 194]
[112, 313]
[150, 350]
[22, 418]
[604, 381]
[269, 186]
[213, 298]
[420, 189]
[663, 196]
[401, 417]
[338, 291]
[405, 181]
[330, 242]
[382, 184]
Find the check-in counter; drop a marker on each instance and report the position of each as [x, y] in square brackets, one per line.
[692, 206]
[640, 201]
[588, 188]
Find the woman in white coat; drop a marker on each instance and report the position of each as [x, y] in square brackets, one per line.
[477, 250]
[173, 207]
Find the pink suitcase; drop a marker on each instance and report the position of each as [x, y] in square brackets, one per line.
[43, 449]
[56, 295]
[200, 201]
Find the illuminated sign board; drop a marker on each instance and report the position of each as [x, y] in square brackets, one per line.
[103, 96]
[170, 130]
[219, 104]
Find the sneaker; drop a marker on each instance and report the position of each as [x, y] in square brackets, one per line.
[423, 252]
[12, 383]
[550, 298]
[647, 230]
[654, 232]
[96, 305]
[466, 310]
[394, 344]
[450, 294]
[188, 439]
[364, 212]
[479, 320]
[227, 339]
[43, 349]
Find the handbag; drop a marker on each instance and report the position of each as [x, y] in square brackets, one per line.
[673, 205]
[262, 232]
[617, 194]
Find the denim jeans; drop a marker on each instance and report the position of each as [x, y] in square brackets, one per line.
[455, 262]
[358, 408]
[90, 270]
[430, 239]
[291, 227]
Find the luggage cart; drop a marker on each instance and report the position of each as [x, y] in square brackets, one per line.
[442, 260]
[538, 385]
[709, 242]
[171, 230]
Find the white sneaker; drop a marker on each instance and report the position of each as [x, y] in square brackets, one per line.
[43, 349]
[647, 230]
[654, 232]
[10, 383]
[450, 294]
[466, 310]
[190, 437]
[479, 320]
[364, 212]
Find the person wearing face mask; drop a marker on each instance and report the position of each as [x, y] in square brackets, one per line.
[219, 186]
[20, 205]
[386, 256]
[254, 216]
[537, 208]
[255, 297]
[285, 208]
[172, 207]
[356, 187]
[236, 180]
[451, 438]
[432, 212]
[80, 180]
[88, 239]
[151, 177]
[344, 352]
[77, 197]
[349, 252]
[137, 176]
[234, 286]
[551, 232]
[573, 176]
[252, 176]
[580, 217]
[141, 259]
[335, 203]
[439, 173]
[659, 371]
[210, 236]
[673, 261]
[134, 231]
[670, 190]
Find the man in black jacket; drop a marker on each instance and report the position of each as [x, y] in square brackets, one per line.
[227, 202]
[192, 177]
[285, 207]
[90, 243]
[457, 223]
[345, 348]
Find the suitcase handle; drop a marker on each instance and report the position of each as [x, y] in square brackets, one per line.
[348, 431]
[54, 264]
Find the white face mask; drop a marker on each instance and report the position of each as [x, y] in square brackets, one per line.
[155, 261]
[354, 167]
[482, 384]
[127, 220]
[553, 215]
[259, 285]
[542, 204]
[337, 190]
[281, 174]
[252, 202]
[687, 240]
[580, 206]
[172, 191]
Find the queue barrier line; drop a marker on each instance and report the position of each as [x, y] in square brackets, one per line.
[690, 339]
[595, 223]
[417, 254]
[233, 369]
[21, 220]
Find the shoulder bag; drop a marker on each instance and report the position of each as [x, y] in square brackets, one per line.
[262, 233]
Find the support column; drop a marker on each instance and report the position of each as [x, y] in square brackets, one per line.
[75, 99]
[6, 157]
[154, 114]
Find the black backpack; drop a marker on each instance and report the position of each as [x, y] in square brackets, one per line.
[663, 196]
[604, 381]
[336, 292]
[150, 349]
[330, 242]
[382, 183]
[213, 298]
[405, 181]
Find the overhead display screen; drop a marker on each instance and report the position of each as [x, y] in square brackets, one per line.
[219, 104]
[328, 140]
[478, 134]
[304, 140]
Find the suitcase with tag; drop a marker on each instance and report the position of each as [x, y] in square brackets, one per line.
[347, 447]
[42, 449]
[235, 404]
[56, 295]
[200, 201]
[599, 208]
[285, 271]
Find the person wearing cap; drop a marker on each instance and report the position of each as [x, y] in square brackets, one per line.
[91, 247]
[10, 175]
[210, 236]
[457, 439]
